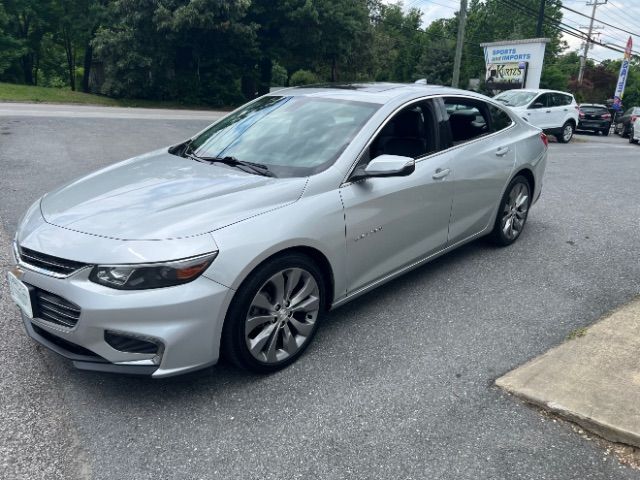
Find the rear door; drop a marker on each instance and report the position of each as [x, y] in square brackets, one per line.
[482, 156]
[560, 109]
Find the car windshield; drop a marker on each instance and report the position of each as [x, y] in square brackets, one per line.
[515, 98]
[291, 135]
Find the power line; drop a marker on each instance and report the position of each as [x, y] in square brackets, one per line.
[565, 28]
[600, 21]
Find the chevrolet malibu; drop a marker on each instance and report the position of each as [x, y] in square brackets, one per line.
[235, 242]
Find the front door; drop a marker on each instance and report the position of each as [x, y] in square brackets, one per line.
[541, 116]
[392, 222]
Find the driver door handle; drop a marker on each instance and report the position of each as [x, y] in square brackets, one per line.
[502, 151]
[441, 173]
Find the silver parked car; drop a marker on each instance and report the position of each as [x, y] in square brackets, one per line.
[236, 241]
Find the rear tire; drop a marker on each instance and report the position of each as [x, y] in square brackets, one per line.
[566, 135]
[274, 315]
[512, 213]
[605, 132]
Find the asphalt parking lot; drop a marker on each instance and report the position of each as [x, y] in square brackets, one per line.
[397, 385]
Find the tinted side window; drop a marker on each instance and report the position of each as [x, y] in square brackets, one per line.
[499, 119]
[468, 119]
[409, 133]
[544, 99]
[560, 100]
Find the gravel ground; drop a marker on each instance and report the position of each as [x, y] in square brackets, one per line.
[397, 385]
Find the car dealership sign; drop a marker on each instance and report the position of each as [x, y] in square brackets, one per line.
[514, 63]
[506, 76]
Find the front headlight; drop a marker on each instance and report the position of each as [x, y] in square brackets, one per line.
[151, 275]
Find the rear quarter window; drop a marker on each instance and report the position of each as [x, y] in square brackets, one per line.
[499, 119]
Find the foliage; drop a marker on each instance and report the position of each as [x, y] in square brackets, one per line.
[221, 52]
[303, 77]
[279, 75]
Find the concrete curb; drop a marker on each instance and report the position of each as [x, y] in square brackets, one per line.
[593, 380]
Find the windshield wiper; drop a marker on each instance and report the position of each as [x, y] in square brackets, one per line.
[257, 168]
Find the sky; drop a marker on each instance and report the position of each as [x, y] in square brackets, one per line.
[621, 13]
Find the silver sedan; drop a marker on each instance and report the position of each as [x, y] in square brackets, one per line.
[235, 242]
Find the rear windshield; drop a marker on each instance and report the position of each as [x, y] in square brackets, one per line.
[591, 109]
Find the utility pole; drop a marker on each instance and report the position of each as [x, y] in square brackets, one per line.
[540, 18]
[458, 57]
[583, 58]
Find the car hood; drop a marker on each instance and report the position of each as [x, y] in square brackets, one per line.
[162, 196]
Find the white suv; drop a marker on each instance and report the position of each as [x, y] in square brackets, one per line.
[554, 112]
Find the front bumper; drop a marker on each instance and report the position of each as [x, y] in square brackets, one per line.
[184, 321]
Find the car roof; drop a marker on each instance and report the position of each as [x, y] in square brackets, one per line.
[373, 92]
[539, 90]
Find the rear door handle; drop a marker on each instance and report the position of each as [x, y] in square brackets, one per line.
[441, 173]
[502, 151]
[548, 111]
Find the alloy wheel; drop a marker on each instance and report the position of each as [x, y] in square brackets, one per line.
[567, 133]
[282, 315]
[514, 213]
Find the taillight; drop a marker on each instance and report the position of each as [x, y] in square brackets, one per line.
[580, 113]
[633, 118]
[606, 116]
[544, 139]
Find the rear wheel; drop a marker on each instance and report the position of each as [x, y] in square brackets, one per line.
[274, 315]
[513, 211]
[605, 132]
[567, 133]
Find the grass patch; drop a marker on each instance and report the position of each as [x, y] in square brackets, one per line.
[10, 92]
[577, 333]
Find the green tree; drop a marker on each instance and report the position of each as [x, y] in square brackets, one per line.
[10, 48]
[178, 49]
[286, 32]
[345, 32]
[398, 43]
[28, 22]
[436, 61]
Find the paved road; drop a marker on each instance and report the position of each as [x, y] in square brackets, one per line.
[397, 385]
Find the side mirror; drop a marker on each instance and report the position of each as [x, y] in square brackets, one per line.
[537, 105]
[385, 166]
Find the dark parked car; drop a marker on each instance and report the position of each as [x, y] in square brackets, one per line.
[594, 117]
[625, 121]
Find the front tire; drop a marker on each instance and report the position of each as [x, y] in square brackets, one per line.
[274, 314]
[567, 133]
[512, 213]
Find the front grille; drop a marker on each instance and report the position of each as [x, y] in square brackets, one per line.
[55, 309]
[49, 262]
